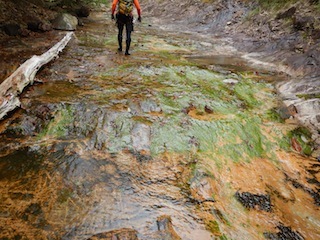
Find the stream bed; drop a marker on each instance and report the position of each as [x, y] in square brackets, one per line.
[173, 142]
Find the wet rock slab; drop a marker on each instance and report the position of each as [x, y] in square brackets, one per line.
[120, 234]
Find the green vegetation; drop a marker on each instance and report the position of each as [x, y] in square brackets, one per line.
[64, 195]
[213, 227]
[309, 96]
[303, 136]
[93, 41]
[273, 115]
[300, 136]
[58, 127]
[234, 129]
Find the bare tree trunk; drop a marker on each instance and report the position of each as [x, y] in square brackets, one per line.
[11, 88]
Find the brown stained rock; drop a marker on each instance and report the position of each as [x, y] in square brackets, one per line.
[119, 234]
[166, 229]
[202, 190]
[202, 187]
[208, 109]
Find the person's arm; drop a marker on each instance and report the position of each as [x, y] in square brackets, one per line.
[114, 5]
[137, 4]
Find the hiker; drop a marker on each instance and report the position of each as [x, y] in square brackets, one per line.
[125, 18]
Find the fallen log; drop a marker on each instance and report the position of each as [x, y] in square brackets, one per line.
[12, 87]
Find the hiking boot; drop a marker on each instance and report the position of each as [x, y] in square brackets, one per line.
[127, 47]
[120, 43]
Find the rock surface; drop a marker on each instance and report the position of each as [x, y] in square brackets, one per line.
[120, 234]
[66, 22]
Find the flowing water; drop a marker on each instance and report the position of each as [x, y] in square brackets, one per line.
[105, 142]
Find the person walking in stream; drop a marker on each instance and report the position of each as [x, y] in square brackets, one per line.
[124, 17]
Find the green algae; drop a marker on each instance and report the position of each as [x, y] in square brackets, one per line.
[58, 127]
[166, 138]
[309, 96]
[119, 133]
[245, 93]
[233, 132]
[303, 136]
[237, 136]
[273, 115]
[231, 139]
[64, 195]
[213, 227]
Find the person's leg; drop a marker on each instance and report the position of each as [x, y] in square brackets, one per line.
[120, 28]
[129, 28]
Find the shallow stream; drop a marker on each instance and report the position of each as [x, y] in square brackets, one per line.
[105, 142]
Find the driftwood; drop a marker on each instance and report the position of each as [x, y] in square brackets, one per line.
[11, 88]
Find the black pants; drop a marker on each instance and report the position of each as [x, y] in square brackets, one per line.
[124, 20]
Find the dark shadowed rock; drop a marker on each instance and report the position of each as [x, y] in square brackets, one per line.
[287, 14]
[33, 26]
[249, 200]
[35, 215]
[313, 1]
[315, 34]
[120, 234]
[303, 23]
[284, 112]
[11, 29]
[83, 11]
[285, 233]
[38, 26]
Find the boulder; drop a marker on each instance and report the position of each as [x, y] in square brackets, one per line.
[38, 26]
[66, 22]
[33, 26]
[83, 11]
[45, 27]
